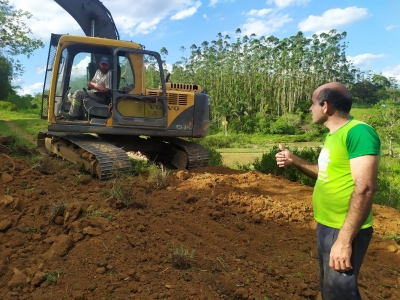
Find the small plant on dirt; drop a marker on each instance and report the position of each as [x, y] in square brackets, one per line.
[121, 190]
[53, 276]
[298, 274]
[181, 258]
[158, 176]
[83, 179]
[56, 209]
[30, 229]
[394, 237]
[138, 166]
[45, 165]
[92, 213]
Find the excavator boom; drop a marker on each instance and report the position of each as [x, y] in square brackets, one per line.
[92, 16]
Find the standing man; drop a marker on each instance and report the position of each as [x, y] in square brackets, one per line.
[346, 181]
[100, 87]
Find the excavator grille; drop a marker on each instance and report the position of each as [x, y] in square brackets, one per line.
[172, 98]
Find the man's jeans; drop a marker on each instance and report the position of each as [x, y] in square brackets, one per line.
[340, 285]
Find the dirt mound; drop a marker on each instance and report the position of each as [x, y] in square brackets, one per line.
[212, 233]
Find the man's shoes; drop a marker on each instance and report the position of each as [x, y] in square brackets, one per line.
[67, 116]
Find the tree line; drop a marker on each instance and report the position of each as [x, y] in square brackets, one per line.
[253, 78]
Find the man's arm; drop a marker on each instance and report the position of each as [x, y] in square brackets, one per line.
[286, 158]
[364, 171]
[97, 87]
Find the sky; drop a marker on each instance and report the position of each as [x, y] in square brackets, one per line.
[372, 26]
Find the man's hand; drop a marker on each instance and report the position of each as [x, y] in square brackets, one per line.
[90, 84]
[284, 158]
[98, 87]
[339, 259]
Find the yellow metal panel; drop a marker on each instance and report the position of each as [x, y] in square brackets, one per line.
[131, 108]
[153, 110]
[73, 39]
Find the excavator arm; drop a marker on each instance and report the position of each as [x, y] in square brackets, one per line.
[92, 16]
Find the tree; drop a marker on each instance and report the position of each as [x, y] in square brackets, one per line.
[5, 75]
[14, 36]
[365, 92]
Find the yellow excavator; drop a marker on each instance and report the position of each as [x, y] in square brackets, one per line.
[145, 113]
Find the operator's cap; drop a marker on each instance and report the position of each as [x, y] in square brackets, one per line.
[105, 60]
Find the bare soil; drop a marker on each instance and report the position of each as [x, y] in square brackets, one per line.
[211, 233]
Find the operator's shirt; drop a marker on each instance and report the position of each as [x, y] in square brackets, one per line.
[103, 79]
[334, 185]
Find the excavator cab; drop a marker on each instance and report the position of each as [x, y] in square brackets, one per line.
[133, 71]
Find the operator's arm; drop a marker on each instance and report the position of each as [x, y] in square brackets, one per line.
[98, 87]
[364, 171]
[286, 158]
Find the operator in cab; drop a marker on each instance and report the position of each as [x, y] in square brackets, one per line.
[100, 87]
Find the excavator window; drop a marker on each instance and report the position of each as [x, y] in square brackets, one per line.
[127, 75]
[153, 75]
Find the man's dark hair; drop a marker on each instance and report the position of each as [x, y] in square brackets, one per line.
[341, 101]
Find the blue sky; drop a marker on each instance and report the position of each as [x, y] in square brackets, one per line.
[372, 26]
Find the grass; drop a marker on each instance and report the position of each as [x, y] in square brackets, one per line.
[92, 213]
[181, 258]
[122, 190]
[394, 237]
[53, 276]
[29, 122]
[158, 176]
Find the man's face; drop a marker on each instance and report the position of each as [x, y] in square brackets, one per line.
[104, 67]
[317, 111]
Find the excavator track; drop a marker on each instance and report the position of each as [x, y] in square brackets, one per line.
[99, 157]
[197, 155]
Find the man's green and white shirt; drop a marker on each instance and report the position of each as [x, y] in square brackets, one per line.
[335, 185]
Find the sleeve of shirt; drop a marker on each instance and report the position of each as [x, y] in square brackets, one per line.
[362, 140]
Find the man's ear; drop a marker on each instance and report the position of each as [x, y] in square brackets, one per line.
[328, 108]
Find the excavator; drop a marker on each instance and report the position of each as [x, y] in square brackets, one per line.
[144, 111]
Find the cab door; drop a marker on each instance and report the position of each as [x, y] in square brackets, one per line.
[138, 70]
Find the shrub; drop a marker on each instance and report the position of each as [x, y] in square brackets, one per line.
[215, 158]
[268, 165]
[8, 106]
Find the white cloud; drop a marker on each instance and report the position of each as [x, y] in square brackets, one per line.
[364, 60]
[258, 13]
[392, 27]
[213, 3]
[333, 18]
[130, 19]
[206, 17]
[79, 69]
[286, 3]
[264, 27]
[40, 69]
[183, 14]
[24, 88]
[392, 72]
